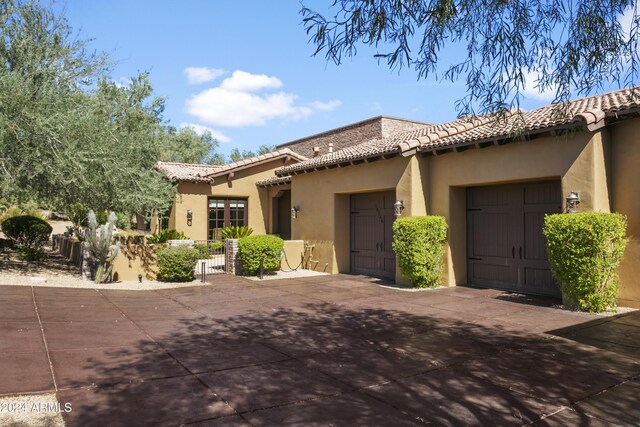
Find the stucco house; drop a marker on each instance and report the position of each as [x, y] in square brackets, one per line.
[213, 197]
[492, 177]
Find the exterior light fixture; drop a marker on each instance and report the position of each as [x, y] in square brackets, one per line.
[295, 212]
[573, 200]
[398, 207]
[189, 217]
[140, 278]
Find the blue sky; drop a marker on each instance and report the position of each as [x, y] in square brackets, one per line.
[245, 70]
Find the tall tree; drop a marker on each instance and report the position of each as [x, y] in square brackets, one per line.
[70, 137]
[565, 45]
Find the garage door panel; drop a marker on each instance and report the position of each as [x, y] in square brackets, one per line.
[542, 280]
[372, 234]
[535, 244]
[506, 247]
[492, 274]
[363, 239]
[484, 197]
[490, 237]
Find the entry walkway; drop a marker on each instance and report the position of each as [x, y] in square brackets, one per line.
[323, 350]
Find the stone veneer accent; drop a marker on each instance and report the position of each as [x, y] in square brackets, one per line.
[346, 136]
[231, 260]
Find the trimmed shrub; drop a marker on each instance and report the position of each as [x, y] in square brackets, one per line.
[167, 234]
[27, 231]
[418, 242]
[176, 264]
[584, 251]
[235, 232]
[252, 249]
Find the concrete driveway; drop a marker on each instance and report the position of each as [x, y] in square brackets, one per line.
[337, 350]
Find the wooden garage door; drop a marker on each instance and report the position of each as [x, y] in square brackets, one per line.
[505, 247]
[371, 234]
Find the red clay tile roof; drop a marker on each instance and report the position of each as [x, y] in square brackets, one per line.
[207, 173]
[186, 171]
[274, 180]
[253, 161]
[590, 113]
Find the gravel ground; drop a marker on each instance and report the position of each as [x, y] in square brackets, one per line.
[37, 410]
[69, 281]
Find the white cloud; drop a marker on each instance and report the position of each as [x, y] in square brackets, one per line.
[325, 106]
[241, 81]
[199, 129]
[234, 102]
[531, 90]
[196, 75]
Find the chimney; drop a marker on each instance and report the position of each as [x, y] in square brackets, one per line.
[331, 147]
[316, 151]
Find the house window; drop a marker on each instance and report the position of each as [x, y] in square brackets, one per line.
[224, 213]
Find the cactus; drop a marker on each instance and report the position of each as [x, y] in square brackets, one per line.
[98, 240]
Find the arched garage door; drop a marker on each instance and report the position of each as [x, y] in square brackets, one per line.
[505, 245]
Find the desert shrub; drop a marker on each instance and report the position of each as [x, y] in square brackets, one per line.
[584, 251]
[27, 231]
[418, 242]
[13, 211]
[252, 249]
[123, 221]
[167, 234]
[26, 253]
[177, 263]
[235, 232]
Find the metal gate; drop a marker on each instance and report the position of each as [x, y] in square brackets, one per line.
[211, 258]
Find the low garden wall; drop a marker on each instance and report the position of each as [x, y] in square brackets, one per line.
[69, 247]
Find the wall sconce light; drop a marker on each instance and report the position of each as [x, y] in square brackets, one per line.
[573, 200]
[398, 207]
[295, 212]
[189, 217]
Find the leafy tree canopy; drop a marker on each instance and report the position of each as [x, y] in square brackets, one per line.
[236, 155]
[71, 138]
[570, 46]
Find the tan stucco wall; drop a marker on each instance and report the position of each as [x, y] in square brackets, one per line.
[294, 251]
[133, 260]
[583, 161]
[243, 185]
[323, 198]
[577, 159]
[625, 182]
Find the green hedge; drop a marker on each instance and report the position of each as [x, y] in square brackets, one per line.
[176, 264]
[418, 242]
[252, 249]
[584, 251]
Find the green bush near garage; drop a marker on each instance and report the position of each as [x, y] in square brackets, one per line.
[585, 250]
[418, 242]
[177, 263]
[252, 249]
